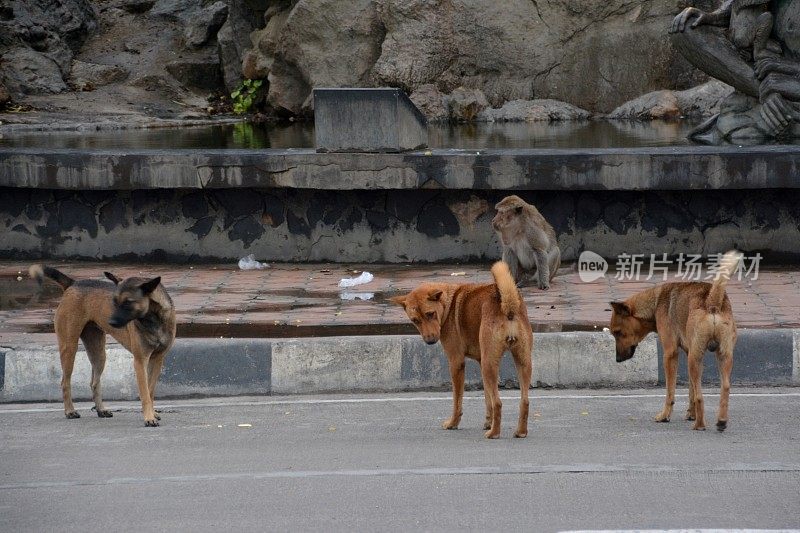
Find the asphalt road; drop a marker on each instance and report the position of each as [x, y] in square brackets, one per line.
[593, 460]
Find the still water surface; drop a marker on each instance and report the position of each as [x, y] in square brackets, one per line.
[582, 134]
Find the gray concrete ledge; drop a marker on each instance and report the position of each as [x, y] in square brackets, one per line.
[226, 367]
[668, 168]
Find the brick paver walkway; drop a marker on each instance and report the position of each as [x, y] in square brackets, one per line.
[293, 300]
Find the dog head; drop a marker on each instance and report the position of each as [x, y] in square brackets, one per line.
[131, 299]
[425, 308]
[628, 331]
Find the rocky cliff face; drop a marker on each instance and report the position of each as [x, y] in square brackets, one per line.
[126, 58]
[38, 39]
[595, 54]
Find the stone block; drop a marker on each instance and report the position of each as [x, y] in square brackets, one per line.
[367, 120]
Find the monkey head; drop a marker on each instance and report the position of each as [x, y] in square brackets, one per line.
[511, 218]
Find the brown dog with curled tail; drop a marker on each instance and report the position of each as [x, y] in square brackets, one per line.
[692, 316]
[480, 322]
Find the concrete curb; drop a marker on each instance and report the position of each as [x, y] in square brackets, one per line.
[648, 168]
[228, 367]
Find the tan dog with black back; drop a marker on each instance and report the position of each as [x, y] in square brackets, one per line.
[137, 312]
[692, 316]
[480, 322]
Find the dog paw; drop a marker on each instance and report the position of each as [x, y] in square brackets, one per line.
[689, 416]
[104, 413]
[520, 434]
[151, 423]
[491, 434]
[487, 425]
[73, 414]
[158, 415]
[544, 287]
[699, 427]
[722, 425]
[449, 424]
[661, 417]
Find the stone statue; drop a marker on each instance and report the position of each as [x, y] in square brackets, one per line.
[753, 45]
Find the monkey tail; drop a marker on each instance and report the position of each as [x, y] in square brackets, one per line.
[39, 272]
[727, 265]
[510, 299]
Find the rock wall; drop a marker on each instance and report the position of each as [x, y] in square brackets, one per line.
[595, 54]
[384, 226]
[38, 40]
[158, 54]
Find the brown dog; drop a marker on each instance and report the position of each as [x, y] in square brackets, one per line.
[137, 312]
[693, 316]
[480, 322]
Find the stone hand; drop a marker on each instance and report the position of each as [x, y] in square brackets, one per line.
[679, 23]
[777, 113]
[774, 64]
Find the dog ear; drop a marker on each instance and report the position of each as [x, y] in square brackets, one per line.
[621, 308]
[399, 300]
[435, 295]
[112, 277]
[149, 286]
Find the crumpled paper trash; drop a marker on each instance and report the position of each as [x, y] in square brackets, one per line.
[365, 277]
[250, 263]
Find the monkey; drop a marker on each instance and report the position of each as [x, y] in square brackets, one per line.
[527, 239]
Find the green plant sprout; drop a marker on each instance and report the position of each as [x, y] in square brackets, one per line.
[245, 95]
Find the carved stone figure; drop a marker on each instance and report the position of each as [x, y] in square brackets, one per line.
[753, 45]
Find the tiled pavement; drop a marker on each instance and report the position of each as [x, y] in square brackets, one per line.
[298, 300]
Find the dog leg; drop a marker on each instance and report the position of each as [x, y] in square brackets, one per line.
[671, 375]
[696, 377]
[67, 349]
[153, 373]
[690, 411]
[139, 362]
[491, 353]
[457, 375]
[94, 340]
[487, 422]
[725, 364]
[522, 360]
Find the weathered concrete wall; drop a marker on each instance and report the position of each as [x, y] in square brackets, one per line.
[384, 225]
[663, 168]
[367, 120]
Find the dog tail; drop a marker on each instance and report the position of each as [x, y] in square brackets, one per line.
[727, 265]
[510, 299]
[39, 272]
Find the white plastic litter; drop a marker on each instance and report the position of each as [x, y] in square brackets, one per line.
[356, 295]
[365, 277]
[249, 263]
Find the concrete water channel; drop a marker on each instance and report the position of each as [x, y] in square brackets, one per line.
[213, 194]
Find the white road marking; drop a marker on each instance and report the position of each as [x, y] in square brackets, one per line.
[388, 399]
